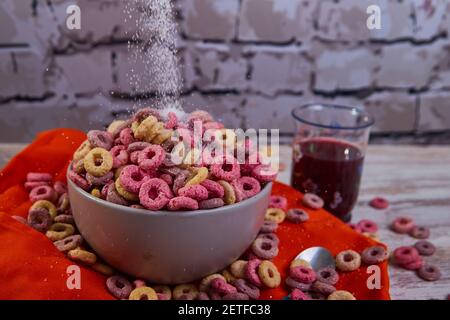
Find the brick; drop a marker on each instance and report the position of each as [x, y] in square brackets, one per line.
[434, 111]
[279, 70]
[22, 74]
[393, 112]
[429, 17]
[407, 66]
[86, 72]
[269, 20]
[347, 20]
[441, 79]
[348, 69]
[210, 19]
[215, 67]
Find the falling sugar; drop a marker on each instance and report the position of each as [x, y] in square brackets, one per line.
[153, 57]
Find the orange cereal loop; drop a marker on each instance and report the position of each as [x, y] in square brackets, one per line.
[230, 195]
[59, 231]
[98, 162]
[299, 263]
[269, 275]
[165, 290]
[103, 269]
[144, 129]
[206, 281]
[82, 151]
[163, 136]
[341, 295]
[45, 204]
[200, 175]
[237, 268]
[188, 290]
[143, 293]
[275, 214]
[124, 193]
[96, 193]
[83, 256]
[115, 125]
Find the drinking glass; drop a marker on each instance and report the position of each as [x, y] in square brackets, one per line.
[328, 153]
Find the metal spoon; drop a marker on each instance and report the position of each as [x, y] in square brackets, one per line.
[318, 257]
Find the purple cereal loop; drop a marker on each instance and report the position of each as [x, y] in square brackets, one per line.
[39, 219]
[119, 155]
[302, 274]
[425, 248]
[119, 287]
[211, 203]
[113, 196]
[195, 191]
[420, 232]
[278, 202]
[327, 275]
[180, 180]
[43, 193]
[265, 248]
[60, 187]
[268, 227]
[33, 184]
[429, 272]
[374, 255]
[182, 203]
[297, 285]
[126, 136]
[323, 288]
[65, 218]
[144, 113]
[69, 243]
[137, 146]
[132, 177]
[247, 288]
[99, 181]
[215, 190]
[269, 236]
[151, 157]
[297, 215]
[264, 173]
[251, 272]
[39, 177]
[79, 180]
[312, 201]
[155, 194]
[167, 178]
[100, 139]
[237, 296]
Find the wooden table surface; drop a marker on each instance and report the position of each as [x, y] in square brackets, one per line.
[416, 181]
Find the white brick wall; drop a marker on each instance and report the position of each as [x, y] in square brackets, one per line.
[248, 61]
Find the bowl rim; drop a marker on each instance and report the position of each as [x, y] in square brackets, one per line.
[187, 213]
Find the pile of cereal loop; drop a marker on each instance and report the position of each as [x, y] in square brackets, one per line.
[169, 163]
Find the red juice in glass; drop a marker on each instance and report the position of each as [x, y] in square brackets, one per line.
[328, 154]
[331, 169]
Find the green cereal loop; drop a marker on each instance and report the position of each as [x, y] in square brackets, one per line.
[139, 293]
[59, 231]
[90, 162]
[230, 195]
[47, 205]
[83, 256]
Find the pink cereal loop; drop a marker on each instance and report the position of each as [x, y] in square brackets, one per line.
[303, 274]
[167, 178]
[264, 173]
[30, 185]
[248, 185]
[278, 202]
[119, 155]
[60, 187]
[227, 170]
[220, 286]
[196, 191]
[367, 226]
[172, 120]
[43, 193]
[137, 146]
[79, 180]
[215, 190]
[182, 203]
[151, 157]
[251, 272]
[39, 177]
[132, 177]
[155, 194]
[126, 137]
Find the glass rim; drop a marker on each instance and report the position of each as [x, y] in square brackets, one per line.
[371, 120]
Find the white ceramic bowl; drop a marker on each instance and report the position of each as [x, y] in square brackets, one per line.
[168, 247]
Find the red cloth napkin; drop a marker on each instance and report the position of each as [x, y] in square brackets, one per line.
[32, 268]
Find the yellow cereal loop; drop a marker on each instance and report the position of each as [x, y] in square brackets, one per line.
[124, 193]
[229, 195]
[200, 175]
[96, 193]
[115, 125]
[228, 276]
[117, 172]
[154, 131]
[134, 127]
[206, 281]
[82, 151]
[269, 275]
[144, 129]
[299, 263]
[103, 269]
[372, 236]
[44, 204]
[78, 166]
[98, 162]
[275, 214]
[143, 293]
[59, 231]
[237, 268]
[83, 256]
[163, 136]
[165, 290]
[185, 289]
[341, 295]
